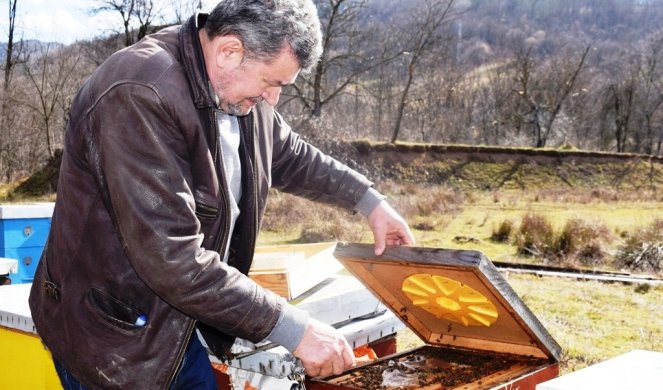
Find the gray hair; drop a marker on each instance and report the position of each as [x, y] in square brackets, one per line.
[265, 26]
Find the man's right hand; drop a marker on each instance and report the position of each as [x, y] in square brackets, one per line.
[323, 350]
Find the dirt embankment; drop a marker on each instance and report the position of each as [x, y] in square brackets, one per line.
[494, 168]
[488, 168]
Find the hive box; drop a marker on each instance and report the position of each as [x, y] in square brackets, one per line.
[291, 270]
[23, 232]
[478, 334]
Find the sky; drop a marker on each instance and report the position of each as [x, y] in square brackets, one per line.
[64, 21]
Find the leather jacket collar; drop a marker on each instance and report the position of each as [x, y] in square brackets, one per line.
[194, 61]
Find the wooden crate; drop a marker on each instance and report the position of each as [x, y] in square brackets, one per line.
[291, 270]
[476, 329]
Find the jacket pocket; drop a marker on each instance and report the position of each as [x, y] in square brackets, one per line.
[113, 311]
[207, 208]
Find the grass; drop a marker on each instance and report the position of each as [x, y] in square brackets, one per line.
[5, 189]
[448, 218]
[483, 212]
[591, 321]
[8, 195]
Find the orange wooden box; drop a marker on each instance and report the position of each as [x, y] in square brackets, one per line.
[478, 333]
[291, 270]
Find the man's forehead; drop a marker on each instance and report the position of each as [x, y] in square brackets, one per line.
[282, 69]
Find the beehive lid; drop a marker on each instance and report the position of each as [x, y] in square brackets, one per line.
[450, 297]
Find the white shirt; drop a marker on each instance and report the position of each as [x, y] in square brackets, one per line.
[229, 143]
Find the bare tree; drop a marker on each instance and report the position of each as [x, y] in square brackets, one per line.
[421, 37]
[485, 95]
[145, 13]
[126, 10]
[651, 95]
[99, 49]
[141, 12]
[15, 55]
[632, 100]
[544, 90]
[50, 75]
[378, 89]
[343, 58]
[183, 9]
[619, 106]
[11, 55]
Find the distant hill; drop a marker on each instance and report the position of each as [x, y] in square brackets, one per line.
[31, 46]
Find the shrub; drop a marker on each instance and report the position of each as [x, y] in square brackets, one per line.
[42, 182]
[316, 222]
[582, 241]
[285, 212]
[416, 199]
[503, 231]
[594, 253]
[578, 242]
[535, 236]
[331, 229]
[425, 226]
[643, 250]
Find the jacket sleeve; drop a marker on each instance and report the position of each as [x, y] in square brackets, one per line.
[142, 163]
[302, 169]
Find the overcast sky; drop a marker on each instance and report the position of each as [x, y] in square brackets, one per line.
[63, 21]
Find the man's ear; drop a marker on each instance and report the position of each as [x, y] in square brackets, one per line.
[229, 51]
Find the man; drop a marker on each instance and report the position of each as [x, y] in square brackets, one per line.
[170, 152]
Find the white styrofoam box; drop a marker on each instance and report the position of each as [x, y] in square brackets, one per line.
[8, 266]
[635, 370]
[27, 210]
[14, 309]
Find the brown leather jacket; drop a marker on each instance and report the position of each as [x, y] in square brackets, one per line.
[141, 217]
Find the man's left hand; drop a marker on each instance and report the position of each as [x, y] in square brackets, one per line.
[388, 227]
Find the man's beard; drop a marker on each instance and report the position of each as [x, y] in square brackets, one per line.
[232, 108]
[236, 108]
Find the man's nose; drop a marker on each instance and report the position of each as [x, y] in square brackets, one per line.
[271, 95]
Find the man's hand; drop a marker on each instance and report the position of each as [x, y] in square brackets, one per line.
[388, 227]
[323, 350]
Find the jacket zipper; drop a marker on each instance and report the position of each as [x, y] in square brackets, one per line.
[180, 354]
[206, 212]
[255, 187]
[221, 240]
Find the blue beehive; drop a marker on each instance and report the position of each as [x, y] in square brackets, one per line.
[23, 232]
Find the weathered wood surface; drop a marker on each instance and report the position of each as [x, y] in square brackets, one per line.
[516, 330]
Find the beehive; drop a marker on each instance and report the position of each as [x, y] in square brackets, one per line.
[478, 333]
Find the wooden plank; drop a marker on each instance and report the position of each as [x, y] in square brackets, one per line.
[277, 282]
[530, 380]
[498, 378]
[407, 254]
[291, 270]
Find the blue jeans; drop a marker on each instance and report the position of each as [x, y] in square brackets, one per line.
[195, 372]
